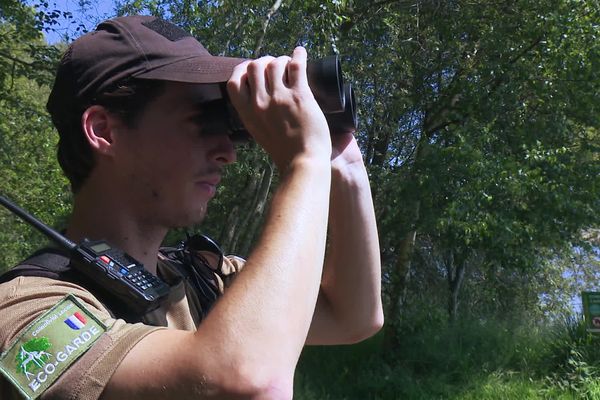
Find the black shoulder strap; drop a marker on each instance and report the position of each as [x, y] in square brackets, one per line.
[56, 264]
[47, 262]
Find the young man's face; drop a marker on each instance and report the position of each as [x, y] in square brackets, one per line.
[170, 170]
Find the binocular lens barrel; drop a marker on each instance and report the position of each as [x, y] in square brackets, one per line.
[344, 121]
[326, 83]
[335, 98]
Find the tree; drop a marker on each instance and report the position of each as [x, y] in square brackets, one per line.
[28, 167]
[482, 134]
[478, 122]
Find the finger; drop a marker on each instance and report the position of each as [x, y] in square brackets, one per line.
[256, 77]
[237, 85]
[296, 68]
[277, 74]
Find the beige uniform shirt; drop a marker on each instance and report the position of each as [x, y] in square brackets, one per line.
[24, 299]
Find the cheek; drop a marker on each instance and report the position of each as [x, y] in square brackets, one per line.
[168, 173]
[164, 190]
[161, 161]
[159, 150]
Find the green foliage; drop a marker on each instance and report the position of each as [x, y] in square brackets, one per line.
[477, 120]
[22, 50]
[574, 359]
[30, 173]
[28, 168]
[479, 125]
[468, 360]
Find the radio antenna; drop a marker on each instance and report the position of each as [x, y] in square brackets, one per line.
[39, 225]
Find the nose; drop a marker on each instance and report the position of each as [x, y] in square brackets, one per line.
[222, 149]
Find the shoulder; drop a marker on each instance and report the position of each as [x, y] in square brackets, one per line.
[39, 309]
[24, 298]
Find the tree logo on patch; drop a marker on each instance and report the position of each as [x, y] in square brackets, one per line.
[33, 356]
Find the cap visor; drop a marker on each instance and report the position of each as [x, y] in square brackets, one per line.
[204, 69]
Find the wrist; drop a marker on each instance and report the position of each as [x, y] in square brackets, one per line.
[353, 173]
[306, 163]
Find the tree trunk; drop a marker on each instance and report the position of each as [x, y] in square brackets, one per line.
[380, 148]
[260, 202]
[230, 230]
[399, 278]
[250, 212]
[401, 272]
[455, 268]
[259, 42]
[242, 222]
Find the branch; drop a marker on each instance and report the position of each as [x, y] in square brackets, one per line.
[32, 65]
[270, 14]
[12, 75]
[438, 121]
[363, 11]
[14, 59]
[495, 83]
[366, 10]
[233, 33]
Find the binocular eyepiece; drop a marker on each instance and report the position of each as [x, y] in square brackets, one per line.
[335, 98]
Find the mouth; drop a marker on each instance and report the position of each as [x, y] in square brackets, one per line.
[211, 180]
[209, 184]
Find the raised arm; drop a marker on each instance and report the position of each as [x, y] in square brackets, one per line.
[249, 345]
[349, 307]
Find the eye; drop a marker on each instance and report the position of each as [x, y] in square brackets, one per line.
[213, 118]
[197, 117]
[213, 122]
[240, 138]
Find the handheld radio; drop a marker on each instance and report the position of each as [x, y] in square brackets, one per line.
[124, 278]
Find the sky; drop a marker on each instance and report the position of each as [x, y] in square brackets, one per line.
[87, 12]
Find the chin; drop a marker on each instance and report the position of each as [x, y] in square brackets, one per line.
[185, 217]
[195, 216]
[188, 223]
[199, 219]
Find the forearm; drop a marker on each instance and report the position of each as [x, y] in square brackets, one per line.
[268, 310]
[249, 344]
[351, 283]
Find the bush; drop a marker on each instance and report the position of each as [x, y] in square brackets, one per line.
[574, 359]
[467, 360]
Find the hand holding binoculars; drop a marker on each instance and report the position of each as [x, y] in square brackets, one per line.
[335, 98]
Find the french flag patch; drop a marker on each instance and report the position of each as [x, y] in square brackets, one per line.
[76, 321]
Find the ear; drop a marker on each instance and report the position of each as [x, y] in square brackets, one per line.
[99, 128]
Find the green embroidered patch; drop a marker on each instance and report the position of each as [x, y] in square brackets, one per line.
[49, 345]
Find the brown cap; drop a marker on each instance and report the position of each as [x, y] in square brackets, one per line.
[142, 47]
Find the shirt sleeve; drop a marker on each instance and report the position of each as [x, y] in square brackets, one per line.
[24, 299]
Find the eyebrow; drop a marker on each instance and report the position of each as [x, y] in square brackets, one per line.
[199, 102]
[190, 104]
[204, 94]
[194, 98]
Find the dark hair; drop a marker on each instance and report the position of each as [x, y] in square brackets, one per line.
[126, 100]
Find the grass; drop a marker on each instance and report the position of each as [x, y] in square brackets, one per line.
[470, 360]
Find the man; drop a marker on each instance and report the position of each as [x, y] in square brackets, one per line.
[127, 102]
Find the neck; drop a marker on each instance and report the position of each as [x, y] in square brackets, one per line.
[102, 216]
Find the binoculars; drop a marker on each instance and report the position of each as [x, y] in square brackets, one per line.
[335, 98]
